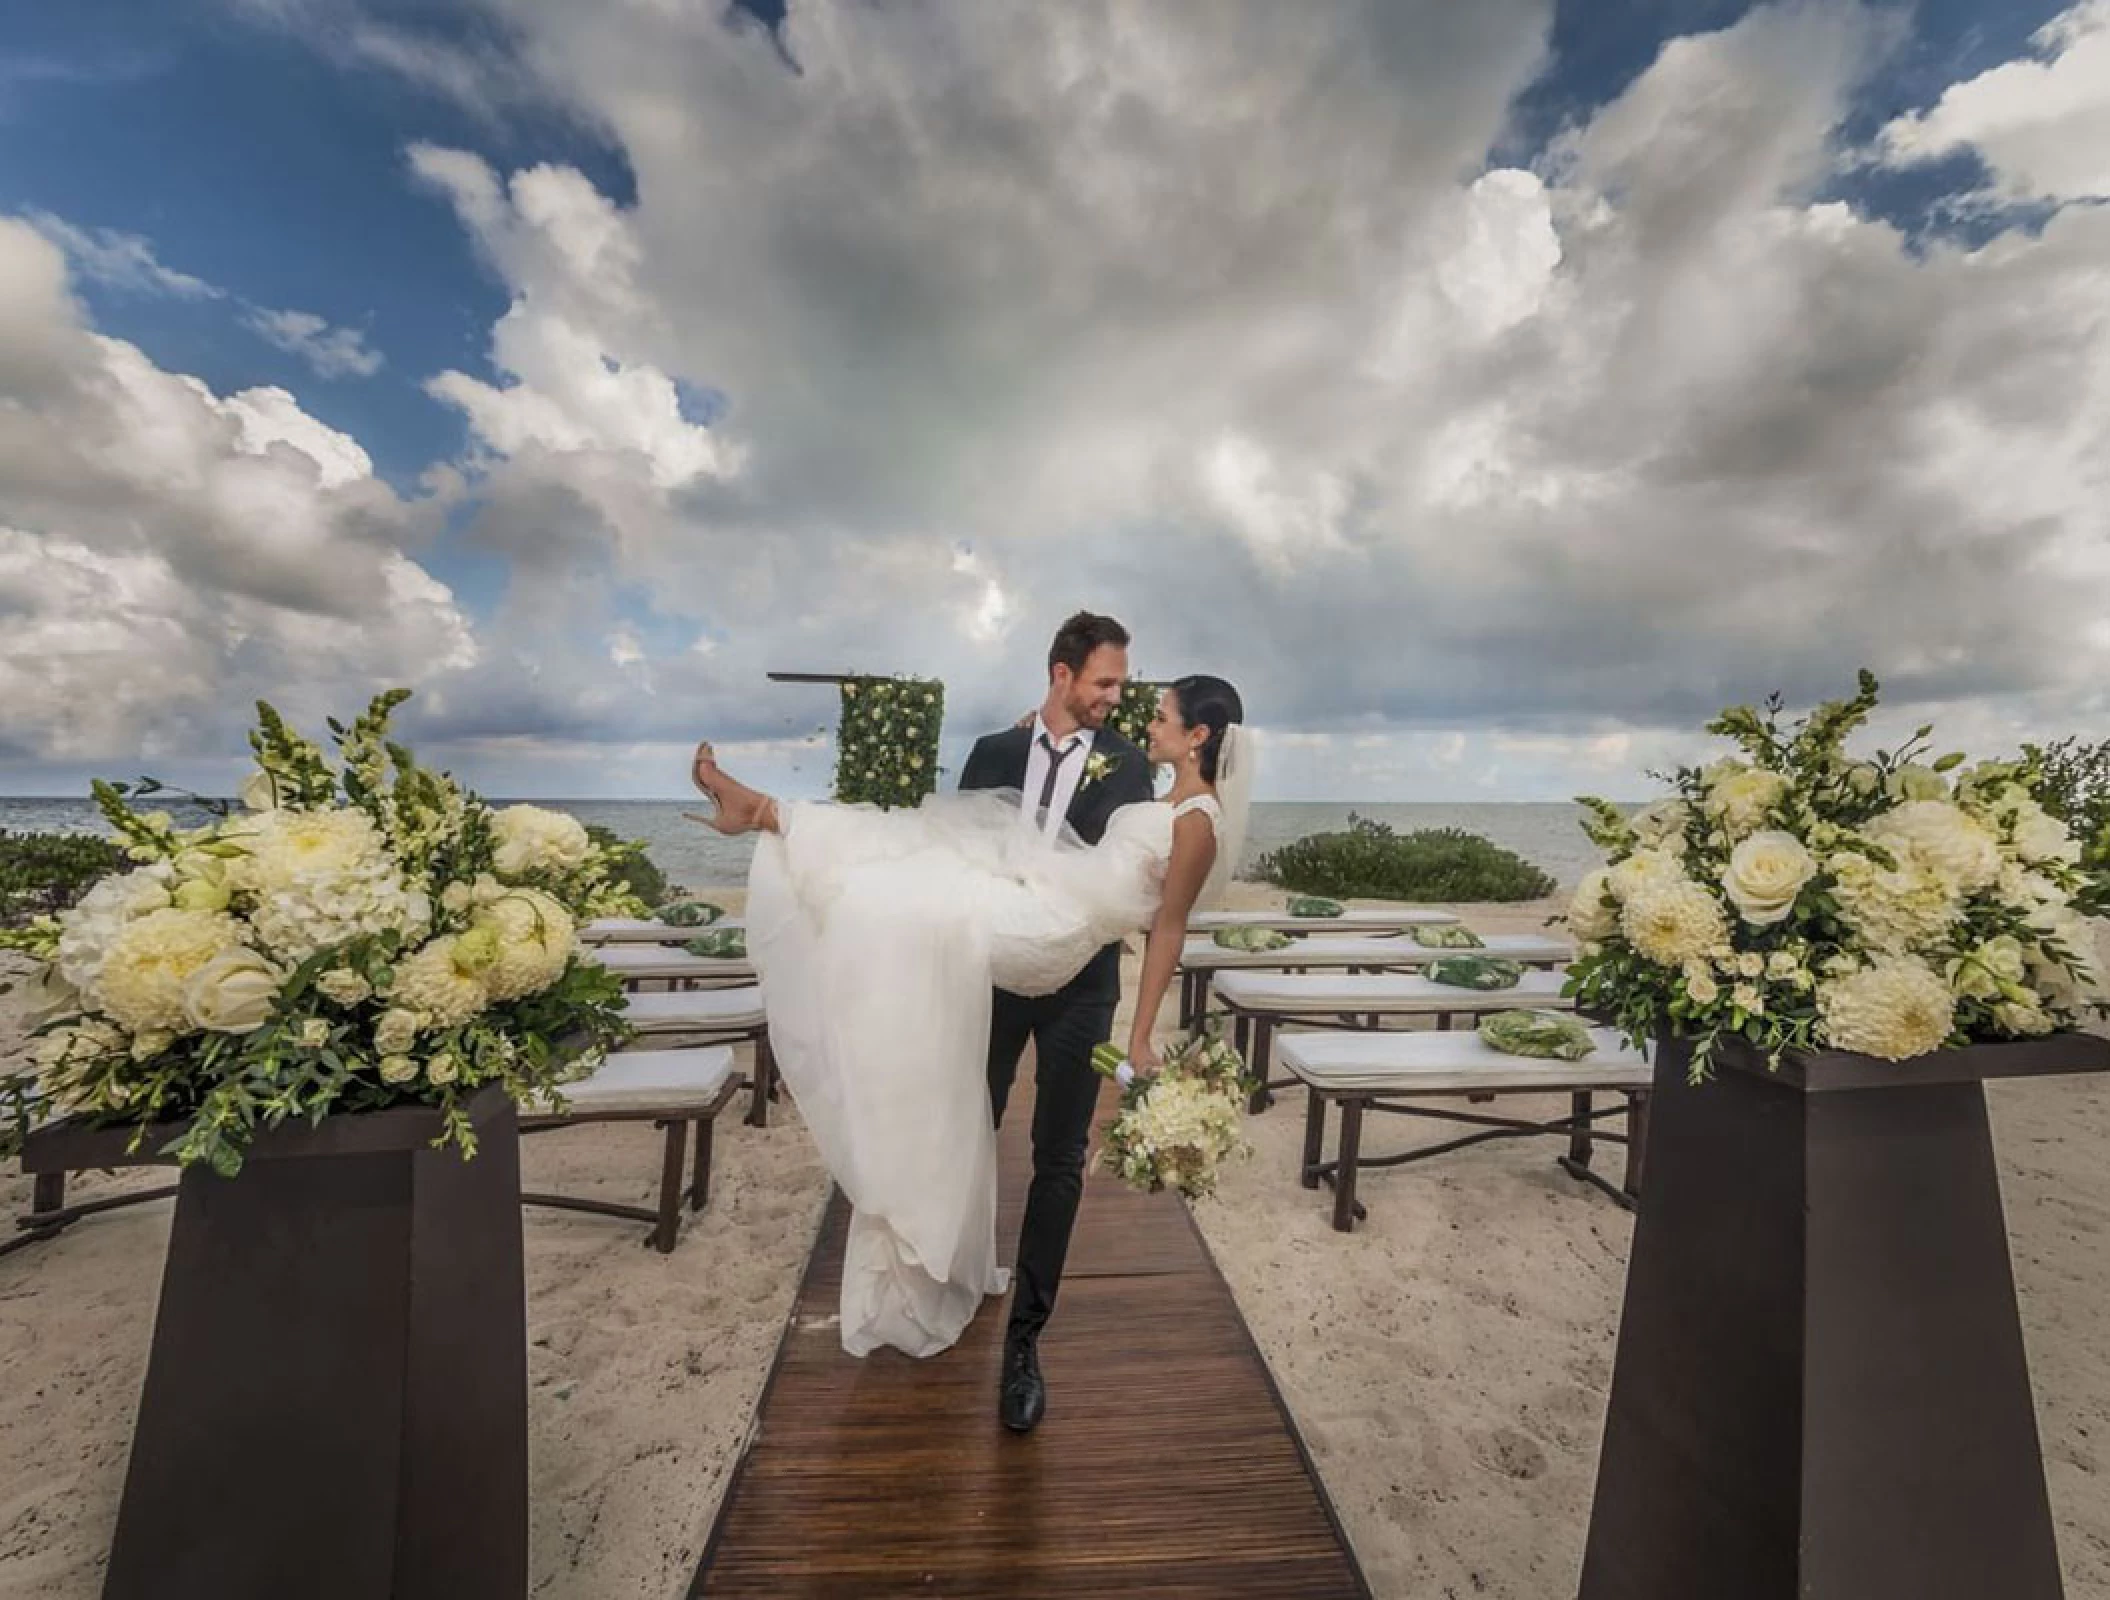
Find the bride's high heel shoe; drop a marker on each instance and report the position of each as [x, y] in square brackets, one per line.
[760, 816]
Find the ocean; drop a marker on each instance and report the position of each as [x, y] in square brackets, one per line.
[1547, 834]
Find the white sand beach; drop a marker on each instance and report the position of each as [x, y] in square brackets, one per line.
[1448, 1363]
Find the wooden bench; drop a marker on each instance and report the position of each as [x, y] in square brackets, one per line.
[646, 930]
[720, 1016]
[1260, 1002]
[653, 963]
[1201, 959]
[1375, 1072]
[672, 1090]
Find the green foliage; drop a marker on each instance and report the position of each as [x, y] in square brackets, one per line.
[1369, 859]
[2073, 784]
[41, 874]
[627, 865]
[720, 944]
[887, 743]
[1131, 719]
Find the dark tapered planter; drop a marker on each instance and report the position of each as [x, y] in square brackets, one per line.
[336, 1401]
[1821, 1390]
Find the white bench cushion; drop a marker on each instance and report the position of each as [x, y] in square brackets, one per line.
[673, 1081]
[1206, 955]
[643, 930]
[1452, 1063]
[1355, 919]
[662, 961]
[1401, 993]
[696, 1010]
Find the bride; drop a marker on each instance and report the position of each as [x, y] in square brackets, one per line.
[878, 936]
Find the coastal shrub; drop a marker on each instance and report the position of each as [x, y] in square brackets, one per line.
[629, 866]
[1369, 859]
[42, 874]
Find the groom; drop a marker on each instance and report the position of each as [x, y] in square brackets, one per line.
[1068, 767]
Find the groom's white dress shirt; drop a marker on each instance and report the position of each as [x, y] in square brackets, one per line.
[1068, 774]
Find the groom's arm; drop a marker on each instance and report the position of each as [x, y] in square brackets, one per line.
[980, 770]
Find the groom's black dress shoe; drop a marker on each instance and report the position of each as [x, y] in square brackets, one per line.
[1022, 1397]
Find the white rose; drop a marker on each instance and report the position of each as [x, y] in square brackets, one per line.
[343, 987]
[1741, 799]
[314, 1033]
[443, 1068]
[398, 1069]
[1700, 986]
[1588, 916]
[1746, 998]
[2040, 836]
[529, 839]
[1750, 964]
[232, 993]
[1765, 874]
[2026, 1021]
[396, 1031]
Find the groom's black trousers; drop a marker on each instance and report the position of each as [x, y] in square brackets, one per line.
[1063, 1027]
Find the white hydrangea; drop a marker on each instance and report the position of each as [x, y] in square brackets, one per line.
[150, 961]
[2067, 987]
[321, 878]
[530, 839]
[535, 938]
[1951, 843]
[1894, 1010]
[1891, 910]
[1662, 825]
[1672, 922]
[432, 983]
[91, 925]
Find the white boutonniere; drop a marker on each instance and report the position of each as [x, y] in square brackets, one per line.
[1097, 765]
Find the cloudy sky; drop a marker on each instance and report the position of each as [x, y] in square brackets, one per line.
[1491, 391]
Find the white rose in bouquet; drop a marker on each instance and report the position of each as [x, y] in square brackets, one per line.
[232, 993]
[1765, 874]
[1741, 797]
[530, 839]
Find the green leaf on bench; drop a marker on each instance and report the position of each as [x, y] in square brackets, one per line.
[1548, 1035]
[1252, 938]
[723, 944]
[1475, 972]
[689, 914]
[1313, 905]
[1447, 936]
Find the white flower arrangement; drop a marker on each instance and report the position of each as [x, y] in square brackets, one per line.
[1179, 1125]
[1799, 899]
[354, 938]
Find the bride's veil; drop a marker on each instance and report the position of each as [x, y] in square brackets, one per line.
[1234, 795]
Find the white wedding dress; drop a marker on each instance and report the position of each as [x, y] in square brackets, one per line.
[878, 936]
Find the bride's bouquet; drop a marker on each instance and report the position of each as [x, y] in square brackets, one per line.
[352, 938]
[1797, 897]
[1177, 1126]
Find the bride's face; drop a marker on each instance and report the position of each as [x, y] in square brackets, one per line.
[1170, 738]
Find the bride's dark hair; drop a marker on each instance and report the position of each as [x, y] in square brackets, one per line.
[1211, 703]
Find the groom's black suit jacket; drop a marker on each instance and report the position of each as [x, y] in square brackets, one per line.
[998, 761]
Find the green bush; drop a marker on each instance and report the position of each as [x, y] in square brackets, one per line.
[629, 865]
[1372, 861]
[44, 873]
[1131, 719]
[2075, 788]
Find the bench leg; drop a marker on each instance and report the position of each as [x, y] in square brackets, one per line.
[1580, 1145]
[1344, 1174]
[1314, 1137]
[1636, 1142]
[764, 1088]
[669, 1223]
[700, 1174]
[1259, 1097]
[1242, 1035]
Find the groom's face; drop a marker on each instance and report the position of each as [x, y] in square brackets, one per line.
[1091, 693]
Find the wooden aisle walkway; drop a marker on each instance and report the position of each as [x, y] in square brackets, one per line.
[1167, 1464]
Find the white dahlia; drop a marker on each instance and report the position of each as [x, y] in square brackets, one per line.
[1894, 1010]
[432, 983]
[531, 839]
[151, 960]
[1643, 867]
[1949, 842]
[535, 940]
[1673, 922]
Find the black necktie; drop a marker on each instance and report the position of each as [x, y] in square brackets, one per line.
[1047, 790]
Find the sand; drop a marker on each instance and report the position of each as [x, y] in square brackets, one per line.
[1448, 1363]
